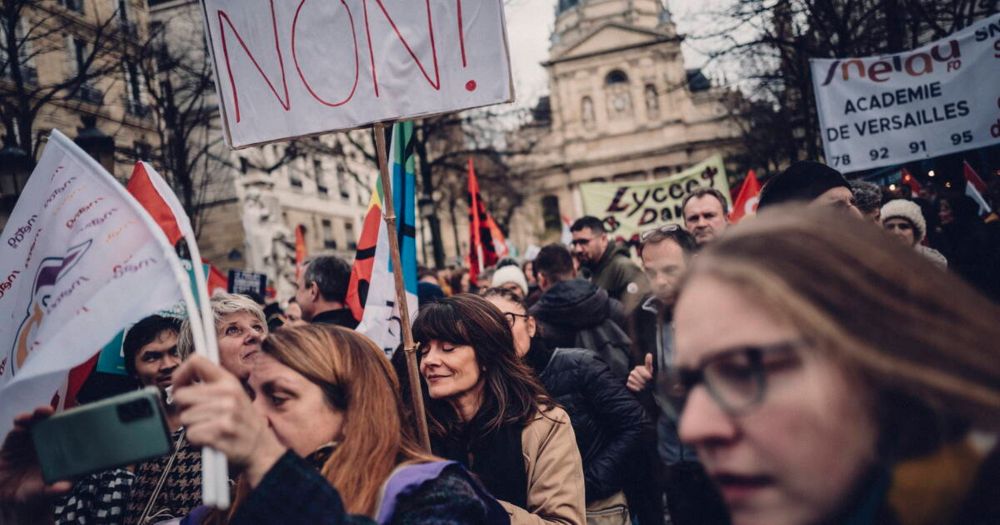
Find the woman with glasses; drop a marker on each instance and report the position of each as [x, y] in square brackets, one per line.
[486, 410]
[606, 419]
[846, 382]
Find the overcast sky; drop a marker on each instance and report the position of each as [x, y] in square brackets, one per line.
[530, 22]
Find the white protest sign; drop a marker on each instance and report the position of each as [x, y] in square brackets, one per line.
[931, 101]
[285, 69]
[80, 260]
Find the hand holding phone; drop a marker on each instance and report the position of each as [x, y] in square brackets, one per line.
[117, 431]
[20, 475]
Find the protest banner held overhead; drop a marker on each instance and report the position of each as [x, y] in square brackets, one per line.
[931, 101]
[76, 249]
[628, 208]
[287, 69]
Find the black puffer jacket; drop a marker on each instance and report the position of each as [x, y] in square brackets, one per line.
[607, 420]
[569, 307]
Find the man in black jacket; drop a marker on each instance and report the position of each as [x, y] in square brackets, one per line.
[691, 499]
[322, 292]
[573, 313]
[606, 419]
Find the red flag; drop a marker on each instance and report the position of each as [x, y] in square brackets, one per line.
[141, 187]
[217, 281]
[910, 181]
[300, 249]
[482, 250]
[746, 201]
[975, 187]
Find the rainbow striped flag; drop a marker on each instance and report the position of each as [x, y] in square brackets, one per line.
[371, 294]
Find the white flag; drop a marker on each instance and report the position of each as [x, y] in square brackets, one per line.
[80, 260]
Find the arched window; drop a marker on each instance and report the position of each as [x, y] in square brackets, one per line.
[616, 76]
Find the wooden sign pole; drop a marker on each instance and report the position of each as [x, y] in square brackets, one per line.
[389, 212]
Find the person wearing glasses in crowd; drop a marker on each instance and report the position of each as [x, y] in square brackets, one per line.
[487, 410]
[706, 214]
[851, 383]
[670, 467]
[607, 263]
[606, 419]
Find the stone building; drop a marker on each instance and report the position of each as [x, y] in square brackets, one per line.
[74, 72]
[621, 106]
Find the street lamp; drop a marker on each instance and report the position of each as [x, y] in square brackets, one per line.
[98, 145]
[15, 168]
[428, 212]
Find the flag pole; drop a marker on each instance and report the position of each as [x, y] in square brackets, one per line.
[409, 347]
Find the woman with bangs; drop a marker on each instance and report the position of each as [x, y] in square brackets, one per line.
[486, 410]
[854, 381]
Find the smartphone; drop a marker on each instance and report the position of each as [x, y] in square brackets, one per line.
[114, 432]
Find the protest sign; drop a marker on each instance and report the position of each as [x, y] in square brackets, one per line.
[247, 283]
[931, 101]
[80, 260]
[628, 208]
[287, 69]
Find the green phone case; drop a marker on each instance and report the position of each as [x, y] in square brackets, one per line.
[117, 431]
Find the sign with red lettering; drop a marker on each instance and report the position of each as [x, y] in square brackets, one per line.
[931, 101]
[286, 69]
[629, 208]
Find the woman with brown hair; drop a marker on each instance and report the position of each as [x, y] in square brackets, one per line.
[853, 382]
[487, 411]
[322, 440]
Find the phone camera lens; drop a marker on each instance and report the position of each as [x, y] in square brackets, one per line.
[134, 410]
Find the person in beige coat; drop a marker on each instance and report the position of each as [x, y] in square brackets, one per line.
[486, 410]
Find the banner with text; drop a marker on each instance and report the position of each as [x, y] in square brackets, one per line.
[80, 261]
[628, 208]
[934, 100]
[287, 69]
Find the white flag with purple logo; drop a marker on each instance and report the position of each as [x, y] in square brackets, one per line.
[80, 261]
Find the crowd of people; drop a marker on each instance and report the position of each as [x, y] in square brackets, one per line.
[834, 359]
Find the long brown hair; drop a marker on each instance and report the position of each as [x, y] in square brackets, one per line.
[511, 393]
[925, 343]
[358, 380]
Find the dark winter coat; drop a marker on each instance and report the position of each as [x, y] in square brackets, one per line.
[622, 278]
[606, 419]
[569, 308]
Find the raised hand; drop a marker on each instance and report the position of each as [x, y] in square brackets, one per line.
[20, 476]
[216, 412]
[641, 376]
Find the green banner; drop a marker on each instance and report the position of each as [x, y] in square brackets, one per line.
[628, 208]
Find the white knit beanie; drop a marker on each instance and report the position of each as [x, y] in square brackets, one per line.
[908, 210]
[510, 274]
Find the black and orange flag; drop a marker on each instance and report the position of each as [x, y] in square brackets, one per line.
[486, 242]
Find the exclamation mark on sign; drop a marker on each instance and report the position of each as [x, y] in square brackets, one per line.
[470, 85]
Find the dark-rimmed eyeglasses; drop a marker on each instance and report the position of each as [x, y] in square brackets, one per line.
[736, 378]
[512, 318]
[665, 229]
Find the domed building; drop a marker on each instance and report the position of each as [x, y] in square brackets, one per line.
[621, 106]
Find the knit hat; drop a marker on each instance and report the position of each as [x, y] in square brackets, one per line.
[909, 210]
[802, 181]
[510, 274]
